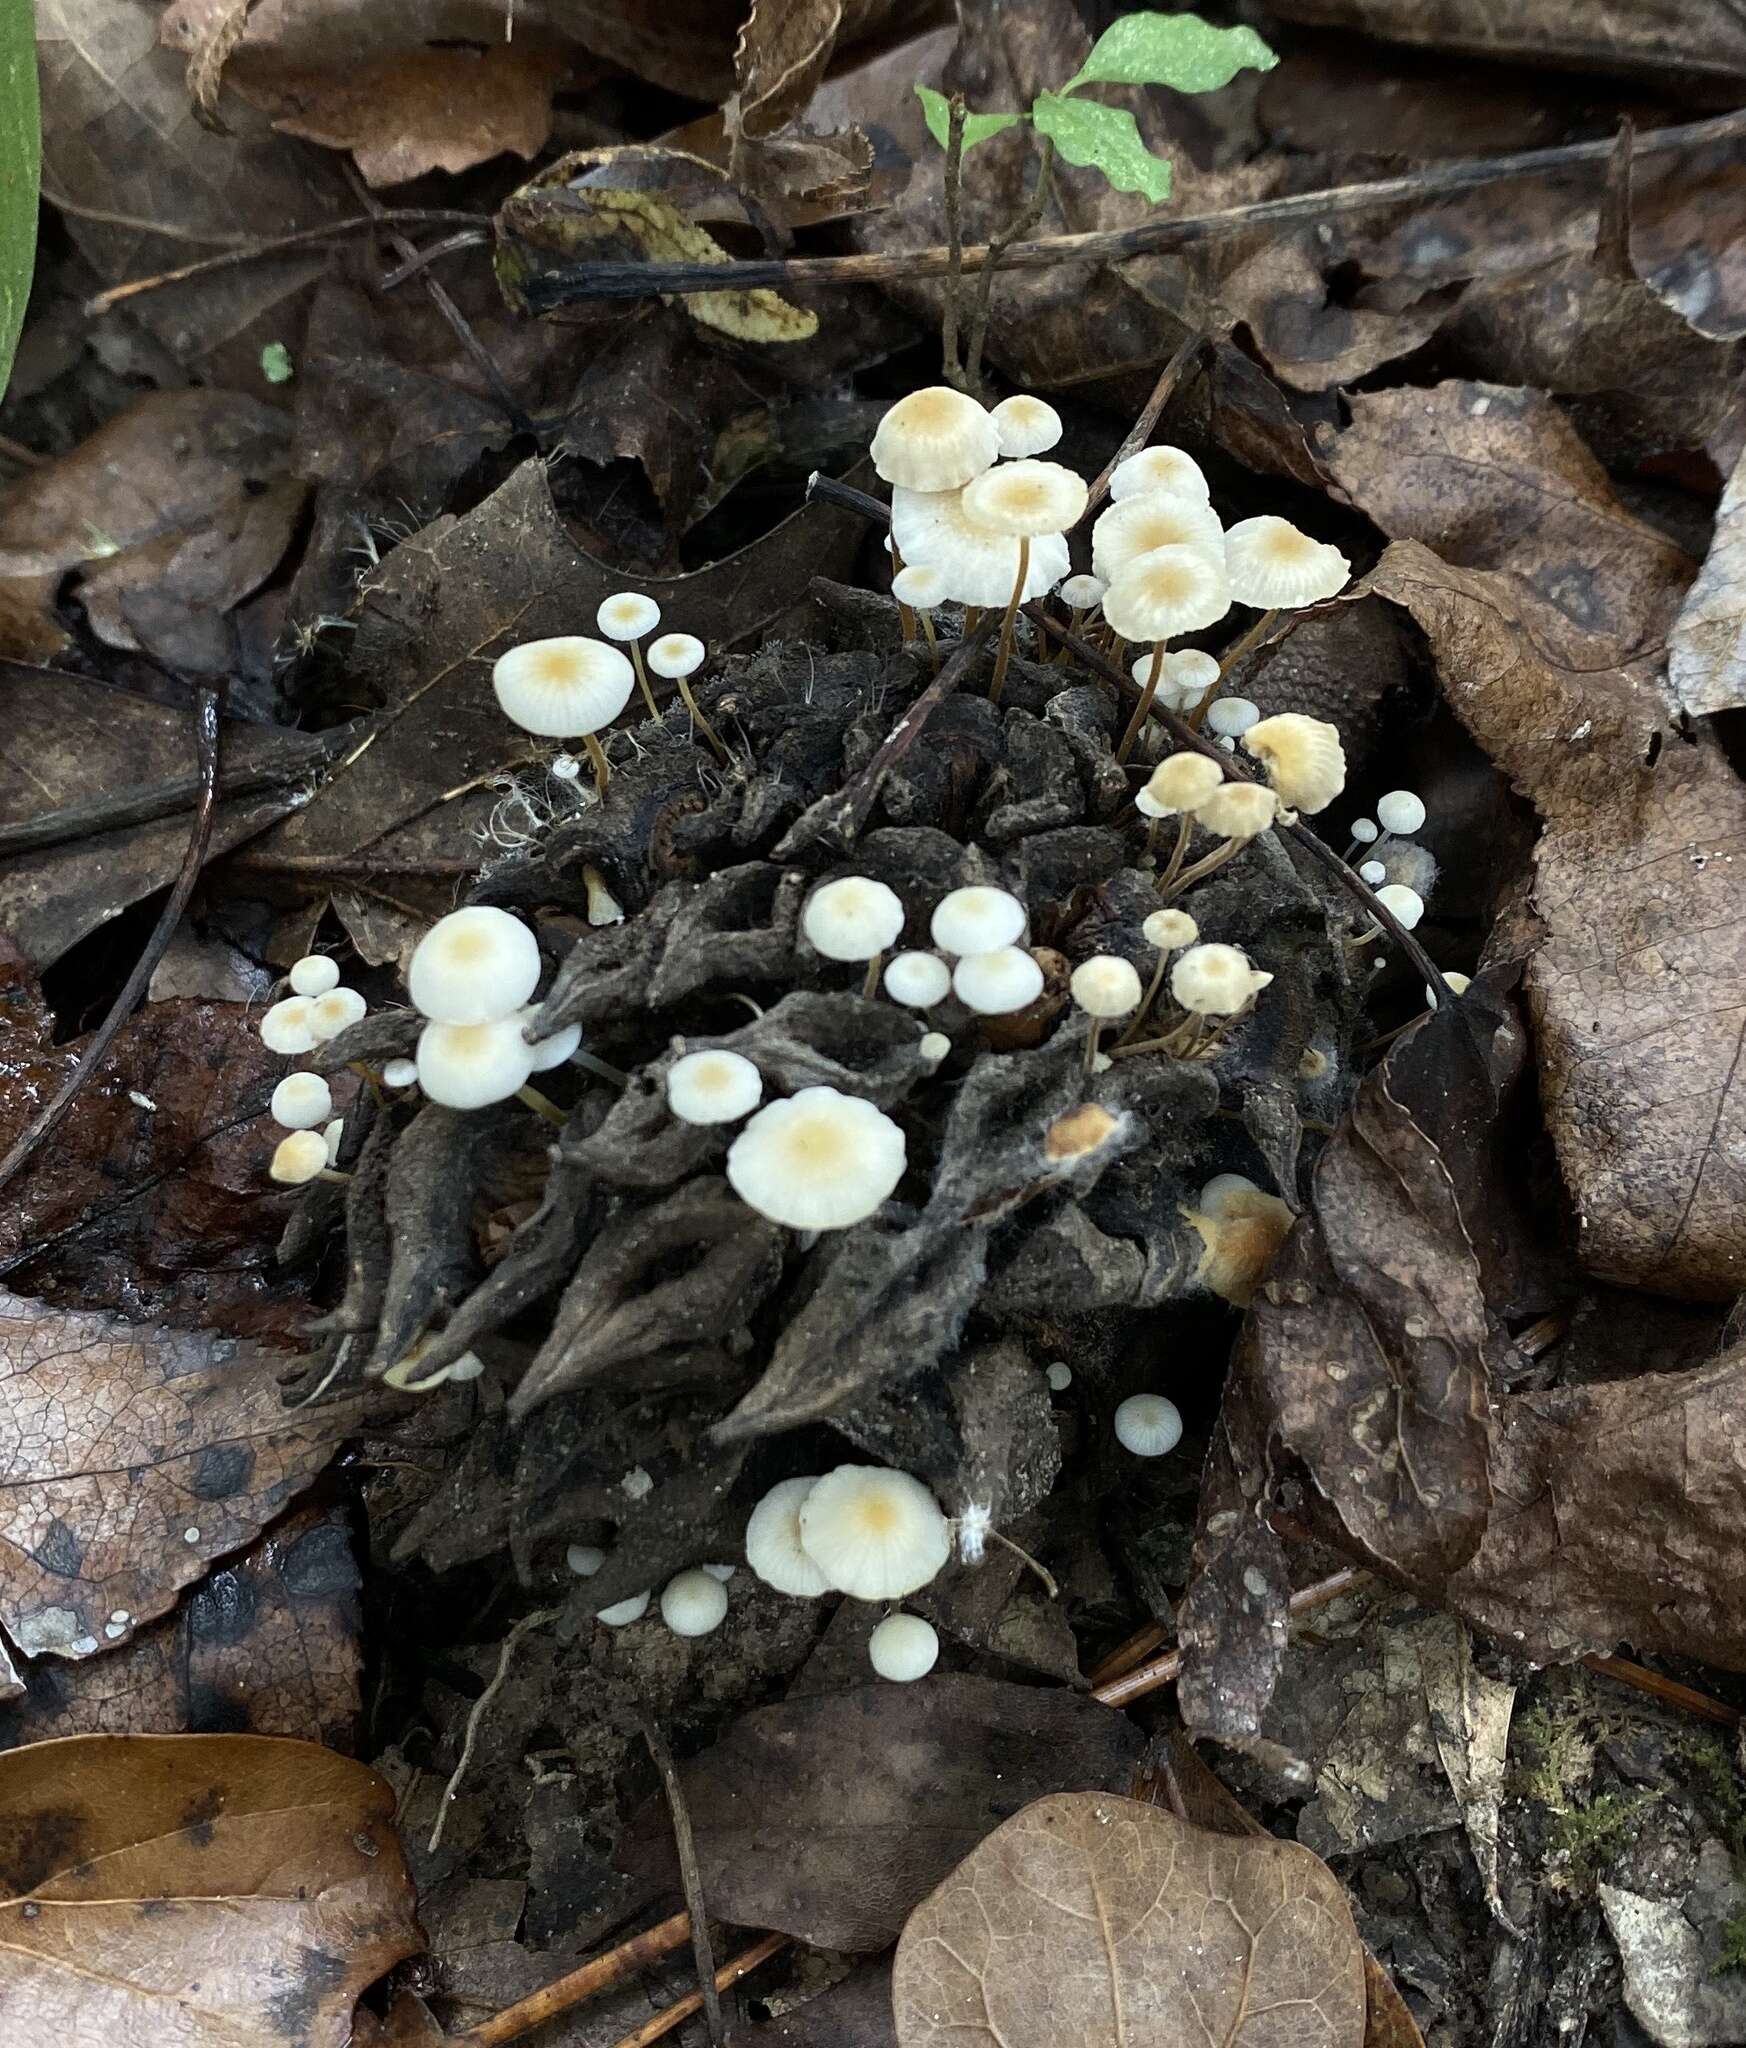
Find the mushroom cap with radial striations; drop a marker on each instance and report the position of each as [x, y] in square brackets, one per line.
[1303, 757]
[623, 1612]
[1082, 592]
[301, 1101]
[555, 1048]
[1401, 812]
[1170, 930]
[1190, 671]
[1148, 1425]
[1241, 1230]
[997, 984]
[874, 1533]
[1026, 499]
[903, 1648]
[1025, 425]
[1215, 980]
[1274, 566]
[286, 1027]
[468, 1066]
[977, 919]
[852, 918]
[1141, 526]
[693, 1603]
[297, 1158]
[1238, 810]
[714, 1087]
[1106, 986]
[1162, 468]
[564, 688]
[934, 440]
[473, 967]
[921, 586]
[313, 975]
[978, 567]
[819, 1160]
[1406, 905]
[627, 615]
[1182, 782]
[676, 655]
[917, 980]
[773, 1547]
[1230, 717]
[335, 1012]
[1168, 592]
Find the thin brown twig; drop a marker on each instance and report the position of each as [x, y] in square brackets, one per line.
[690, 1879]
[477, 1715]
[952, 191]
[579, 1984]
[432, 252]
[726, 1977]
[1140, 433]
[997, 248]
[1438, 181]
[1642, 1679]
[208, 703]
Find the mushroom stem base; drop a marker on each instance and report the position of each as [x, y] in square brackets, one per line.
[542, 1105]
[1003, 659]
[1143, 709]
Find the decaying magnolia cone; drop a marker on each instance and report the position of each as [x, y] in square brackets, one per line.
[1241, 1229]
[935, 439]
[1159, 469]
[1140, 526]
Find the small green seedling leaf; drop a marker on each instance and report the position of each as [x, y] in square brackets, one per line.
[937, 111]
[1178, 50]
[20, 171]
[276, 363]
[1106, 139]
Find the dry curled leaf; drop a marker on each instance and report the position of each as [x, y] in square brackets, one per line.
[134, 1456]
[1706, 650]
[213, 1891]
[1109, 1923]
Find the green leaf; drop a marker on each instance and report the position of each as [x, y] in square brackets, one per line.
[937, 110]
[1105, 138]
[276, 365]
[1178, 50]
[20, 170]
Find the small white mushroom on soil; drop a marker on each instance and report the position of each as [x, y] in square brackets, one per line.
[694, 1603]
[903, 1648]
[773, 1546]
[876, 1534]
[716, 1087]
[301, 1101]
[1148, 1425]
[313, 975]
[473, 967]
[623, 1612]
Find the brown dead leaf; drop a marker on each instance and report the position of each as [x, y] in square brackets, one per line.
[214, 1891]
[1104, 1921]
[267, 1645]
[1638, 988]
[134, 1457]
[831, 1817]
[1706, 650]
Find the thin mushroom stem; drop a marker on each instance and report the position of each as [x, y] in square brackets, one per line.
[701, 723]
[1050, 1582]
[1143, 709]
[870, 980]
[542, 1105]
[1091, 1038]
[1146, 1002]
[1205, 866]
[1012, 604]
[604, 1068]
[333, 1173]
[1173, 867]
[905, 617]
[636, 652]
[597, 756]
[927, 626]
[1228, 664]
[1075, 624]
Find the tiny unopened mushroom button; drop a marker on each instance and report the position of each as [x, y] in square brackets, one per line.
[1148, 1425]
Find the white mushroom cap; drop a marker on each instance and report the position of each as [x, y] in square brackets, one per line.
[921, 586]
[625, 1612]
[1219, 1193]
[1105, 986]
[934, 440]
[1373, 872]
[298, 1158]
[563, 688]
[874, 1533]
[554, 1050]
[977, 919]
[1400, 812]
[1190, 673]
[286, 1027]
[1141, 526]
[473, 967]
[1231, 717]
[313, 975]
[1456, 984]
[1182, 782]
[1407, 904]
[584, 1559]
[334, 1131]
[995, 984]
[918, 980]
[722, 1573]
[1170, 591]
[1025, 498]
[301, 1101]
[852, 918]
[979, 567]
[1303, 757]
[773, 1548]
[1148, 1425]
[1215, 980]
[933, 1047]
[903, 1647]
[713, 1087]
[676, 654]
[628, 615]
[820, 1160]
[1026, 425]
[404, 1375]
[693, 1603]
[1159, 469]
[1273, 565]
[1366, 831]
[1082, 592]
[1239, 810]
[335, 1012]
[400, 1074]
[467, 1066]
[1170, 930]
[1059, 1376]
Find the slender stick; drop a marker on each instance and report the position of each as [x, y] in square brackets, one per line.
[680, 2011]
[996, 249]
[1151, 412]
[952, 187]
[581, 1983]
[1669, 1689]
[208, 701]
[476, 1715]
[1142, 710]
[927, 626]
[541, 1105]
[690, 1878]
[1012, 604]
